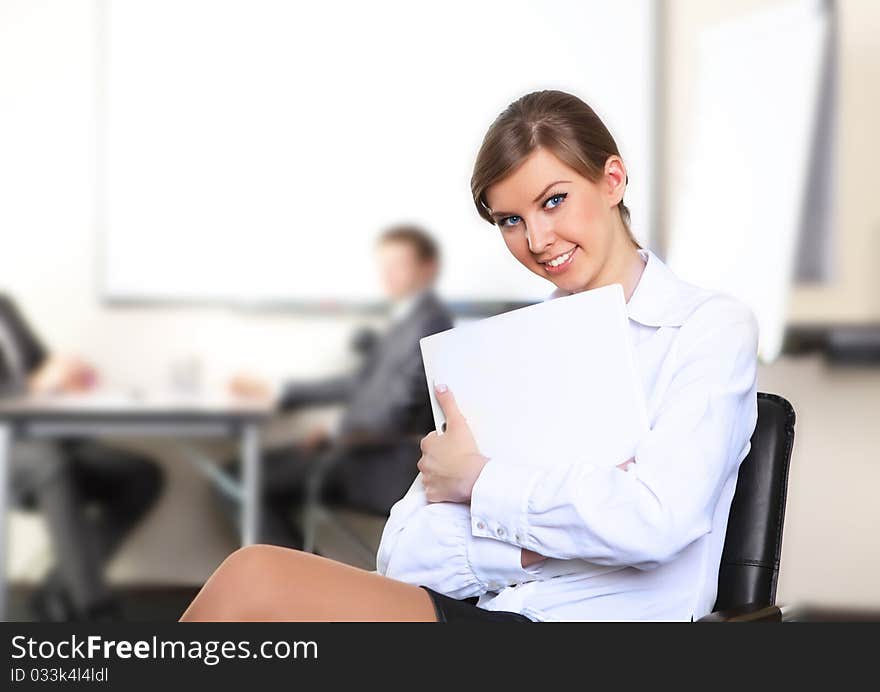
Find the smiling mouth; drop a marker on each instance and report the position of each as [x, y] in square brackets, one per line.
[561, 262]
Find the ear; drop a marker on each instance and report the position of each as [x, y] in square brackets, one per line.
[430, 270]
[615, 180]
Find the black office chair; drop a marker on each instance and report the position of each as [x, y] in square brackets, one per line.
[753, 543]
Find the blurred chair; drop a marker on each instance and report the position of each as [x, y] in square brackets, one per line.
[395, 470]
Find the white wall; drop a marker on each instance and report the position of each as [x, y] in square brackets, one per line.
[48, 255]
[257, 152]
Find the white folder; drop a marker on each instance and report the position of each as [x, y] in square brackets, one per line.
[552, 382]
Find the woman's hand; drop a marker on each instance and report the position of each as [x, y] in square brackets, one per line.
[451, 462]
[527, 557]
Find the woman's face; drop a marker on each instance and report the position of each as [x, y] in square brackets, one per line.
[559, 224]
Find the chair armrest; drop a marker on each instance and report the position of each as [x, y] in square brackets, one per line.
[346, 444]
[750, 612]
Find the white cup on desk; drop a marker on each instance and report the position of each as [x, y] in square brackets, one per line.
[186, 376]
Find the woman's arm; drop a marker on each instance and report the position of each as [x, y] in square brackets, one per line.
[431, 544]
[664, 500]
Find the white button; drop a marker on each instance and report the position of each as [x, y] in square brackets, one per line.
[500, 531]
[481, 525]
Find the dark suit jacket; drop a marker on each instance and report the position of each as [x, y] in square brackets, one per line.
[388, 398]
[30, 350]
[388, 395]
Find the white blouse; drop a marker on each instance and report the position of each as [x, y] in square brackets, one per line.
[640, 544]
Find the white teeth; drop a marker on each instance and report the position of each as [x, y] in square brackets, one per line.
[561, 259]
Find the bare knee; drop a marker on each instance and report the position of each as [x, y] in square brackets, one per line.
[235, 590]
[246, 560]
[255, 568]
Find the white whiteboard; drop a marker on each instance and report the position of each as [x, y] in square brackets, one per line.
[736, 217]
[253, 149]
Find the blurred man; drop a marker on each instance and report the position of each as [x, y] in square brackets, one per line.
[386, 399]
[91, 495]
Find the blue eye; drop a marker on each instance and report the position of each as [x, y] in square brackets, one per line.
[509, 221]
[555, 200]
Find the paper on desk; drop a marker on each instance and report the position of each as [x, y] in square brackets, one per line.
[549, 382]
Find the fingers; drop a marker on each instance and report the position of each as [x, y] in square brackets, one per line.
[427, 441]
[427, 478]
[425, 466]
[447, 402]
[431, 492]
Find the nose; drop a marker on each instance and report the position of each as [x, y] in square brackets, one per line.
[540, 235]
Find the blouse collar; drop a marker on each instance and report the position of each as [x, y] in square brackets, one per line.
[660, 298]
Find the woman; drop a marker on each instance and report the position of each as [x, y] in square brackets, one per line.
[572, 541]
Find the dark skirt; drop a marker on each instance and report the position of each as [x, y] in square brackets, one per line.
[452, 610]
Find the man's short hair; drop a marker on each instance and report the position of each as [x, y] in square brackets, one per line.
[421, 241]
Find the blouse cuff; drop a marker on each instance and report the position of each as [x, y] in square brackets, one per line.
[500, 503]
[495, 564]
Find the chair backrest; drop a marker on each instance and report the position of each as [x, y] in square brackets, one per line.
[753, 543]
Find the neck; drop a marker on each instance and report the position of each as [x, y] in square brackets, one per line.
[624, 265]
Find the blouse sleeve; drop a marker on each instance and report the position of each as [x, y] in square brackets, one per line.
[431, 544]
[646, 515]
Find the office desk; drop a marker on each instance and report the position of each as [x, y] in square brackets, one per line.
[111, 415]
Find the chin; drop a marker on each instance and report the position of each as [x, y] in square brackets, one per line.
[571, 282]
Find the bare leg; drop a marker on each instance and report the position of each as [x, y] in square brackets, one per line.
[269, 583]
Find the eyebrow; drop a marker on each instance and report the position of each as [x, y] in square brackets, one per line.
[499, 214]
[544, 191]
